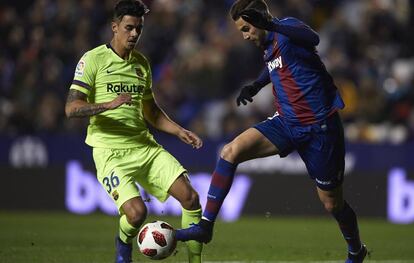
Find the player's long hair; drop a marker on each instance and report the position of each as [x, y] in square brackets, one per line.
[241, 5]
[129, 7]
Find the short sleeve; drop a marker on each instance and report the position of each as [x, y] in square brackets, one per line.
[85, 74]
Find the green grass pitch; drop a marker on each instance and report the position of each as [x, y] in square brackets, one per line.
[63, 238]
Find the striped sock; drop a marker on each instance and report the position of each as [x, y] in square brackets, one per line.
[221, 182]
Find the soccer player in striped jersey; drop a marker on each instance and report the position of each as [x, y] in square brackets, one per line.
[112, 86]
[306, 121]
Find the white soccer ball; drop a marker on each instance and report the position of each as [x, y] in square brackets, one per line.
[156, 240]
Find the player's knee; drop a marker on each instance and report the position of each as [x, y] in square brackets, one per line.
[191, 201]
[229, 153]
[136, 216]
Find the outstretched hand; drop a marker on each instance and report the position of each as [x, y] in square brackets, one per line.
[257, 19]
[247, 93]
[190, 138]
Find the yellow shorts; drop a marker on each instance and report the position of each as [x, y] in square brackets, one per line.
[150, 166]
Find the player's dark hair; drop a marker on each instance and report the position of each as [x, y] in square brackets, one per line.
[240, 5]
[129, 7]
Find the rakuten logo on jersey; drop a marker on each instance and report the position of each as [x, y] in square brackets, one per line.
[121, 88]
[276, 63]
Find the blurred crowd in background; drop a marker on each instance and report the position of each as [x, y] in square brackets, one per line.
[200, 62]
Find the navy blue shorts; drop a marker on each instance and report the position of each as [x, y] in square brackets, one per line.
[321, 146]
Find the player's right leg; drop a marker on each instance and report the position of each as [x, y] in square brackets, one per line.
[248, 145]
[115, 170]
[133, 215]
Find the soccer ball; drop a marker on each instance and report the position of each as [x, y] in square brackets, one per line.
[156, 240]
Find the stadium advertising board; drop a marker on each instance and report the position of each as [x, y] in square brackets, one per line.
[40, 175]
[85, 195]
[75, 189]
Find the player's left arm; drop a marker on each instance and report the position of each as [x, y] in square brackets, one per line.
[160, 120]
[293, 28]
[298, 32]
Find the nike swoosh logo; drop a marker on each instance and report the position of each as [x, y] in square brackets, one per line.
[109, 71]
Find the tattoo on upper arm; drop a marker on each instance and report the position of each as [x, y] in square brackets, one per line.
[75, 95]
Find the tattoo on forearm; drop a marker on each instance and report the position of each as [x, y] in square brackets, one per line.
[86, 109]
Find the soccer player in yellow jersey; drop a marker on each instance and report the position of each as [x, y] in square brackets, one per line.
[112, 86]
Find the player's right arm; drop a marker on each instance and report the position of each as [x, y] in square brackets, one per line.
[249, 91]
[77, 105]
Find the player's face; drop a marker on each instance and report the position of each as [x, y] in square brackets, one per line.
[127, 31]
[251, 33]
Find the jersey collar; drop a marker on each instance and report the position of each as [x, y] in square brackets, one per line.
[108, 45]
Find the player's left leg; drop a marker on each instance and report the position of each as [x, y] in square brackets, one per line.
[324, 156]
[165, 177]
[182, 190]
[345, 216]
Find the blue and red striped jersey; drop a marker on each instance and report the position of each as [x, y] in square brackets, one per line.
[304, 91]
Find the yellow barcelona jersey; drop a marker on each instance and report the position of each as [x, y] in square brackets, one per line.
[101, 74]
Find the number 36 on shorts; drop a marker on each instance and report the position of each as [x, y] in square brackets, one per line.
[110, 182]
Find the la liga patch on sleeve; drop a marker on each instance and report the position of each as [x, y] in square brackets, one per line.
[80, 68]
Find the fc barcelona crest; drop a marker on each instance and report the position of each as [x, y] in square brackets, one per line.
[139, 72]
[115, 195]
